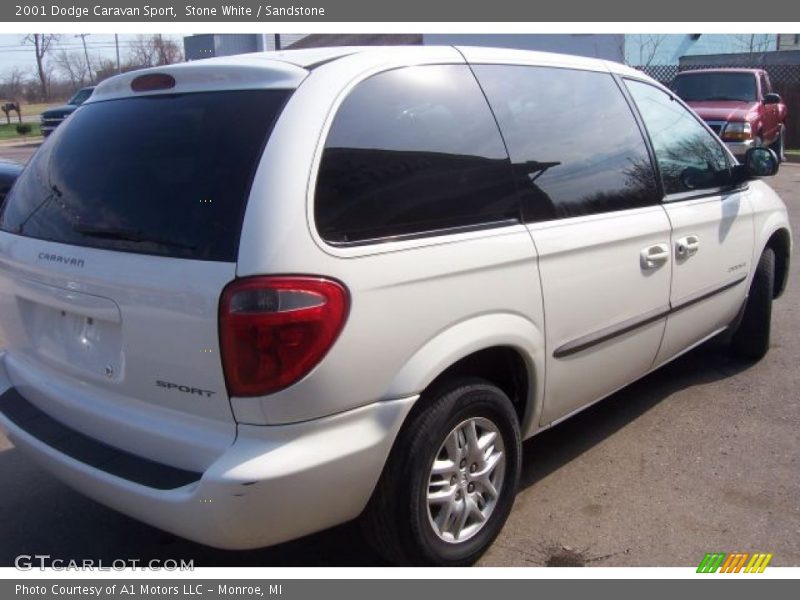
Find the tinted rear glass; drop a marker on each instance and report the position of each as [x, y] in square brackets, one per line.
[166, 175]
[740, 87]
[573, 140]
[413, 151]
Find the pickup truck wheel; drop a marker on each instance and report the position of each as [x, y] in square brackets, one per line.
[450, 482]
[778, 146]
[751, 338]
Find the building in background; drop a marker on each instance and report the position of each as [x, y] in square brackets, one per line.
[667, 49]
[605, 46]
[608, 46]
[322, 40]
[789, 41]
[633, 49]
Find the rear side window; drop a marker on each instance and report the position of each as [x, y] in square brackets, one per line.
[573, 141]
[412, 150]
[166, 175]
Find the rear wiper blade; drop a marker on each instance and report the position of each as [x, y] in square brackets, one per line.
[127, 235]
[54, 192]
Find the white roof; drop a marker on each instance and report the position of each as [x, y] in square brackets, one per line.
[287, 68]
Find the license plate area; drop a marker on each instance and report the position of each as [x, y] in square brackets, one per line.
[79, 332]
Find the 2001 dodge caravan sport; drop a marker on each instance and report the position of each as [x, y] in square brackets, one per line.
[296, 288]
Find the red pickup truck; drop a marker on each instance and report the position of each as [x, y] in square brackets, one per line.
[738, 104]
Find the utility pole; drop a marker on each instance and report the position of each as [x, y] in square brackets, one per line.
[277, 41]
[116, 43]
[86, 54]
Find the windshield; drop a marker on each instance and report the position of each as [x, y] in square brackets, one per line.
[739, 87]
[167, 175]
[81, 96]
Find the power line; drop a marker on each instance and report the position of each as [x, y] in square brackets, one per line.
[73, 48]
[76, 45]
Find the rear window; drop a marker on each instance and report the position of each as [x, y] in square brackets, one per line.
[166, 175]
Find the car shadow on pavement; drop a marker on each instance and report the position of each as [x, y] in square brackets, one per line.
[39, 515]
[553, 448]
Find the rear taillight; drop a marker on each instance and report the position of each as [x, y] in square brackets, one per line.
[274, 330]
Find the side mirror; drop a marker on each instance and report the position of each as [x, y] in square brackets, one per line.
[758, 162]
[772, 99]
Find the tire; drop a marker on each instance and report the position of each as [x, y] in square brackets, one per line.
[778, 146]
[400, 524]
[751, 338]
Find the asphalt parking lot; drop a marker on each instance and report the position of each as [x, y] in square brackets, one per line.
[702, 456]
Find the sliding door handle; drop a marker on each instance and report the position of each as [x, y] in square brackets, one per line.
[653, 257]
[687, 246]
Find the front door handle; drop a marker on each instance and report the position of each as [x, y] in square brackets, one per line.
[654, 256]
[687, 246]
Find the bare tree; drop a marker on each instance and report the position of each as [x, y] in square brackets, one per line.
[167, 51]
[755, 43]
[12, 85]
[647, 46]
[152, 51]
[41, 43]
[105, 68]
[72, 66]
[140, 52]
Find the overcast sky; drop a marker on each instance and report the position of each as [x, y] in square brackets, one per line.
[13, 52]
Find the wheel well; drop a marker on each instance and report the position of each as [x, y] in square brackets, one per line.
[780, 243]
[501, 365]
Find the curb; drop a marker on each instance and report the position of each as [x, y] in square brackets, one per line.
[29, 142]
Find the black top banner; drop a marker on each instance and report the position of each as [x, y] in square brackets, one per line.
[333, 11]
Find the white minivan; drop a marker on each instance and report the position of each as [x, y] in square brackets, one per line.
[249, 298]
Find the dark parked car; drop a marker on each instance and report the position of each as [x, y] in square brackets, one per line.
[53, 117]
[9, 171]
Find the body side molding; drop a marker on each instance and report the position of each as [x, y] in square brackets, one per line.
[602, 335]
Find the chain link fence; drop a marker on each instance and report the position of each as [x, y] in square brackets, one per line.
[785, 81]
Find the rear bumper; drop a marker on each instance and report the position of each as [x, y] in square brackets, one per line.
[275, 483]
